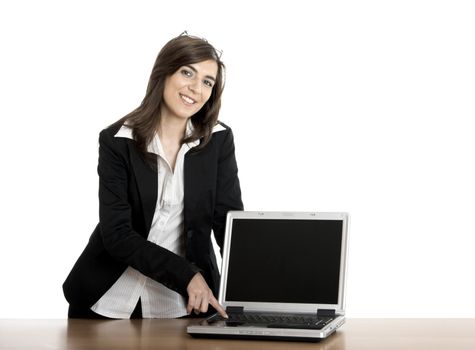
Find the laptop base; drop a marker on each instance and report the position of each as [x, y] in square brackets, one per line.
[259, 337]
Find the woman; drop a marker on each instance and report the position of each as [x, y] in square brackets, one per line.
[167, 177]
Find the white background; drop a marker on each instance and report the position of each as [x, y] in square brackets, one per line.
[358, 106]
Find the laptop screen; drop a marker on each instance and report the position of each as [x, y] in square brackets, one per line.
[284, 261]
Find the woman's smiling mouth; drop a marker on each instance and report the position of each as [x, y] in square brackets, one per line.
[188, 100]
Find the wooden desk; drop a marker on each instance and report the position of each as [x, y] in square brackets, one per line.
[367, 334]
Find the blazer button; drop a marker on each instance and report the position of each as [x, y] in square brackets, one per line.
[189, 234]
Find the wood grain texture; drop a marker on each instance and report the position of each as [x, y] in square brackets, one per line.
[367, 334]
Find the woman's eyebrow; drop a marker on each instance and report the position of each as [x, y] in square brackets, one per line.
[207, 76]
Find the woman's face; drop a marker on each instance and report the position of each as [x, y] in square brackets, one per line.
[188, 89]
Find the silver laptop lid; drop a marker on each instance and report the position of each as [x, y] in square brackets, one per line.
[284, 261]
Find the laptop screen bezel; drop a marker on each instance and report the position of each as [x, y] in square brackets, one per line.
[284, 307]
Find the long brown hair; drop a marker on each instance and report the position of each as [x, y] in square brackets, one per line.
[144, 120]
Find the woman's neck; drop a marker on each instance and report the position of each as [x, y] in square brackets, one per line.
[171, 128]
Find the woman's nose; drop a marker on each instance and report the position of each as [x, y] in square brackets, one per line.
[195, 87]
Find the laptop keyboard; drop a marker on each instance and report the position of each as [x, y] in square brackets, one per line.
[274, 320]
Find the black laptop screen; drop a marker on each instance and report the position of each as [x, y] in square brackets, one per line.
[285, 261]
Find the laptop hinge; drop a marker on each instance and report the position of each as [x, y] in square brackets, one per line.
[234, 309]
[326, 313]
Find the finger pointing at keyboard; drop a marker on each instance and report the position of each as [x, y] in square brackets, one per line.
[200, 297]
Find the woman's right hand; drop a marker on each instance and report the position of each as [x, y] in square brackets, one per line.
[200, 296]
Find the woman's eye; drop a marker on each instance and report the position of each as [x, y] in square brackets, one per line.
[208, 83]
[186, 73]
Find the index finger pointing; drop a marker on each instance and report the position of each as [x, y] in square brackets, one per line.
[214, 303]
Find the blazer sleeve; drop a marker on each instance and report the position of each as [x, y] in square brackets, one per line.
[119, 238]
[228, 190]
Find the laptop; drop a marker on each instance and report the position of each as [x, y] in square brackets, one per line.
[283, 276]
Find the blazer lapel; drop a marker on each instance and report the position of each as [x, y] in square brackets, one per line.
[147, 184]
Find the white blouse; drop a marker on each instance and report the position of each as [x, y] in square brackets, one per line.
[157, 300]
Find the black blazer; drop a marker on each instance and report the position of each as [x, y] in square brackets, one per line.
[127, 199]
